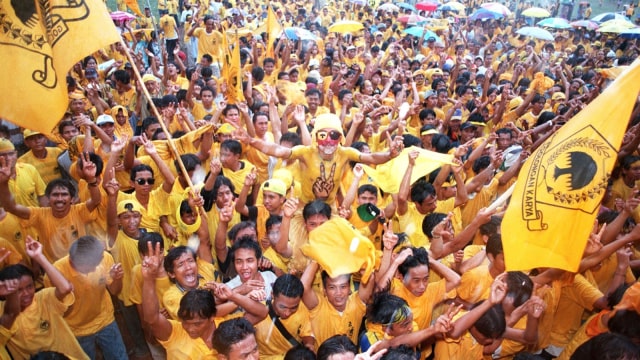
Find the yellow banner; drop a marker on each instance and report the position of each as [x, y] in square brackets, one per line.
[39, 43]
[559, 188]
[273, 29]
[133, 5]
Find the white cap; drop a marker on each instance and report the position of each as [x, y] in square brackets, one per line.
[103, 119]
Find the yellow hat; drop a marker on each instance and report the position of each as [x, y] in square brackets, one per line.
[430, 132]
[6, 145]
[275, 185]
[514, 103]
[328, 121]
[558, 96]
[115, 109]
[27, 133]
[149, 77]
[226, 129]
[129, 205]
[418, 72]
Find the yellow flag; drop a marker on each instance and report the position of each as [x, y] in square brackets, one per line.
[273, 29]
[133, 5]
[39, 43]
[559, 189]
[338, 236]
[426, 162]
[232, 71]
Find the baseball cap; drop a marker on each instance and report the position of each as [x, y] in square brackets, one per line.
[104, 119]
[558, 96]
[368, 212]
[27, 133]
[275, 185]
[430, 93]
[6, 145]
[129, 205]
[457, 115]
[467, 125]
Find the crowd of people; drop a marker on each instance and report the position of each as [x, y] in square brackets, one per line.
[176, 226]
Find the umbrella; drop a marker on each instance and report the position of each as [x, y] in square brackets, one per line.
[555, 22]
[608, 16]
[388, 7]
[411, 19]
[359, 2]
[448, 7]
[427, 6]
[456, 5]
[296, 33]
[587, 24]
[483, 14]
[121, 16]
[407, 6]
[630, 34]
[417, 31]
[614, 28]
[346, 26]
[536, 12]
[496, 8]
[618, 23]
[535, 32]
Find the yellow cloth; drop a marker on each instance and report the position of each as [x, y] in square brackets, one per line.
[313, 169]
[562, 183]
[326, 321]
[38, 68]
[48, 167]
[95, 310]
[237, 177]
[271, 343]
[180, 346]
[135, 294]
[133, 5]
[41, 326]
[57, 234]
[337, 235]
[475, 284]
[425, 163]
[27, 185]
[125, 252]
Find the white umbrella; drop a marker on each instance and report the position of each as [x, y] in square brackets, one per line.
[388, 7]
[535, 32]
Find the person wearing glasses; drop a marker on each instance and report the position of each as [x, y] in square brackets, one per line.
[322, 164]
[142, 179]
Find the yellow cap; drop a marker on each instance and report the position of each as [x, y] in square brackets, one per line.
[27, 133]
[6, 145]
[275, 185]
[558, 96]
[328, 121]
[129, 205]
[225, 129]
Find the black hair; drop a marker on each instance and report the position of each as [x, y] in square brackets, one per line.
[491, 324]
[385, 307]
[232, 234]
[149, 237]
[494, 245]
[607, 346]
[231, 332]
[420, 257]
[299, 352]
[190, 161]
[232, 146]
[291, 137]
[245, 243]
[402, 352]
[316, 207]
[273, 220]
[335, 345]
[519, 287]
[60, 183]
[287, 285]
[16, 271]
[174, 254]
[222, 180]
[422, 190]
[139, 168]
[198, 302]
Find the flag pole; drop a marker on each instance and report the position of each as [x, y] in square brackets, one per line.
[172, 146]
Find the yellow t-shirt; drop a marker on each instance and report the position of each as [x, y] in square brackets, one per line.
[421, 306]
[272, 344]
[93, 309]
[48, 167]
[199, 111]
[125, 252]
[326, 321]
[57, 234]
[209, 43]
[475, 284]
[27, 185]
[41, 326]
[180, 346]
[463, 348]
[168, 25]
[237, 177]
[135, 295]
[157, 206]
[315, 170]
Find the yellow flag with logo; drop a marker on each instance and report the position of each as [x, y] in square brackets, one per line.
[559, 188]
[232, 70]
[133, 5]
[39, 42]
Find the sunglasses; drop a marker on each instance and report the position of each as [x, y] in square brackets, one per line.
[333, 135]
[149, 181]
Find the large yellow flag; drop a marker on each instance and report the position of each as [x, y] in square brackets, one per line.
[232, 71]
[133, 5]
[388, 176]
[559, 189]
[273, 29]
[39, 43]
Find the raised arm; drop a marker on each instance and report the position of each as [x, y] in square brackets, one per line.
[150, 149]
[271, 149]
[62, 285]
[160, 327]
[405, 185]
[6, 197]
[309, 297]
